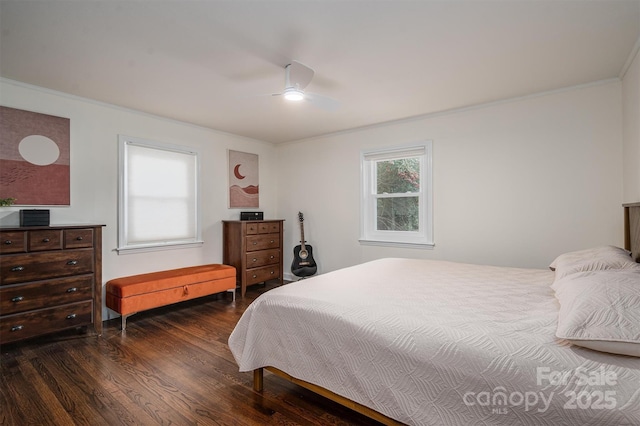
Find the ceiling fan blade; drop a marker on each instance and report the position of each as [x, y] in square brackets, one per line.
[299, 75]
[323, 102]
[261, 95]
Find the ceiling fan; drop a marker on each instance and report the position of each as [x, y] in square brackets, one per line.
[298, 76]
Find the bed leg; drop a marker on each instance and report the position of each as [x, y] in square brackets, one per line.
[258, 376]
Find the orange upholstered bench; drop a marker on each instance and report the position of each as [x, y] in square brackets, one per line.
[128, 295]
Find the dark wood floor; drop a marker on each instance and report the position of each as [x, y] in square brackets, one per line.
[172, 366]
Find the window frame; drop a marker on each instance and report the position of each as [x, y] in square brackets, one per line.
[369, 234]
[125, 246]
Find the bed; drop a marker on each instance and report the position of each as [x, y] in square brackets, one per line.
[425, 342]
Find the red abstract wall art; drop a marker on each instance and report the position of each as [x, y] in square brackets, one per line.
[34, 158]
[244, 188]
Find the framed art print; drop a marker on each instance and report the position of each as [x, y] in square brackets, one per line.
[244, 187]
[34, 158]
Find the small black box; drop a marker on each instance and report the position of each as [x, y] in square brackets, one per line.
[34, 217]
[251, 216]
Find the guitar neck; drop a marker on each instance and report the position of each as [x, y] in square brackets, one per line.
[302, 236]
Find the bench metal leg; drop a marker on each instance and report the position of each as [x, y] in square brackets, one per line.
[233, 292]
[123, 318]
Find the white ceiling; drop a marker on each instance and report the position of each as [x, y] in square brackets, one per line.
[208, 62]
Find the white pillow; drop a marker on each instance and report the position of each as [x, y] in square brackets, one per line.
[600, 310]
[593, 259]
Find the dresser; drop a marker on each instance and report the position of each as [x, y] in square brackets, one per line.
[254, 248]
[50, 280]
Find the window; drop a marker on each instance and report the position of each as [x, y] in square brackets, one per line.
[158, 196]
[396, 197]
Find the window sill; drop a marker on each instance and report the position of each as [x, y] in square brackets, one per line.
[144, 249]
[424, 246]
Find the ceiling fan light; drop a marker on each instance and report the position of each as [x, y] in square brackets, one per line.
[292, 94]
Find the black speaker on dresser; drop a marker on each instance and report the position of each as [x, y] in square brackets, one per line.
[34, 217]
[251, 216]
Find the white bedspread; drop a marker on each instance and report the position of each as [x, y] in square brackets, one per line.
[438, 343]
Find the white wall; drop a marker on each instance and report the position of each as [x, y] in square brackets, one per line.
[631, 131]
[94, 174]
[515, 183]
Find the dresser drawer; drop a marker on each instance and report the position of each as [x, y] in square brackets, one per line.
[261, 258]
[78, 238]
[268, 227]
[263, 228]
[262, 242]
[13, 242]
[61, 291]
[252, 228]
[258, 275]
[45, 240]
[17, 268]
[33, 323]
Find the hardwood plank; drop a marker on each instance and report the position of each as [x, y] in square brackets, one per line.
[18, 407]
[71, 397]
[171, 366]
[111, 385]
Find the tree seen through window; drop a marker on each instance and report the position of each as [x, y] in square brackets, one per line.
[398, 190]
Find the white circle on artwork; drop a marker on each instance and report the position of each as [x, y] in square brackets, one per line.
[39, 150]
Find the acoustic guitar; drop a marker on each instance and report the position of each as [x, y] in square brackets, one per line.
[303, 264]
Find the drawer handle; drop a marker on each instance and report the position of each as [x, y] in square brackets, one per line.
[72, 262]
[272, 272]
[255, 276]
[46, 240]
[271, 257]
[17, 327]
[79, 238]
[8, 242]
[255, 243]
[71, 316]
[272, 241]
[17, 299]
[72, 290]
[254, 259]
[17, 269]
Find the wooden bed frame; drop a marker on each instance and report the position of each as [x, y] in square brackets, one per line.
[632, 229]
[631, 243]
[258, 382]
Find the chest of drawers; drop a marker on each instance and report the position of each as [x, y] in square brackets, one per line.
[254, 248]
[50, 280]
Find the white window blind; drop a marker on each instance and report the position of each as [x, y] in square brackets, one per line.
[159, 203]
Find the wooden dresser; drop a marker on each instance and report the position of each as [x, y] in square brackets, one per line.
[50, 280]
[254, 248]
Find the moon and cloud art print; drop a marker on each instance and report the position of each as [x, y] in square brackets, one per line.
[34, 158]
[244, 188]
